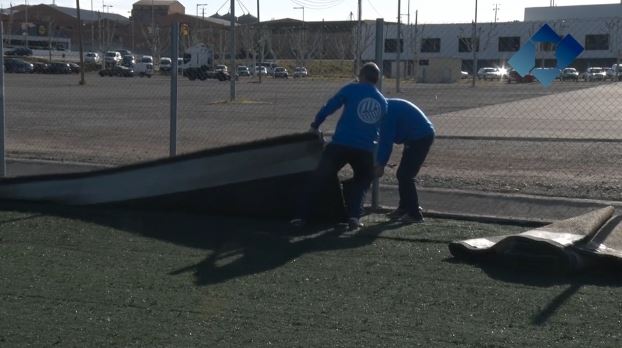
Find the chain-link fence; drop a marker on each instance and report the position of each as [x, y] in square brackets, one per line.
[498, 130]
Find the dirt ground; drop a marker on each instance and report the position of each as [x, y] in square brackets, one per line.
[119, 121]
[110, 278]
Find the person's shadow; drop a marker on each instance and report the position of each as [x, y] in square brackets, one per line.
[235, 247]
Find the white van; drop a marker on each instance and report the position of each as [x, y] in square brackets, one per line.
[144, 66]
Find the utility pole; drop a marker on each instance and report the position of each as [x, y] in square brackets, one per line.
[398, 71]
[200, 5]
[474, 46]
[359, 34]
[260, 42]
[80, 43]
[92, 30]
[232, 51]
[496, 9]
[415, 48]
[26, 24]
[302, 40]
[153, 45]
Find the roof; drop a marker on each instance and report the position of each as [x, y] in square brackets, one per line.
[156, 2]
[89, 16]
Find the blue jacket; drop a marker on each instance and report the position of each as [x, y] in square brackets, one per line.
[363, 110]
[404, 122]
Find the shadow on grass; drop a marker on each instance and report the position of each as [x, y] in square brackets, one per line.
[603, 276]
[235, 247]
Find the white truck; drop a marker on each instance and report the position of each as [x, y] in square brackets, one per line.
[144, 66]
[198, 63]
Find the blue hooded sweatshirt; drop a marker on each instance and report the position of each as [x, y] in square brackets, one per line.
[363, 110]
[404, 122]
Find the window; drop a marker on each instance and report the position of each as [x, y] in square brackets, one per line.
[509, 44]
[390, 45]
[424, 62]
[464, 44]
[547, 46]
[597, 42]
[430, 45]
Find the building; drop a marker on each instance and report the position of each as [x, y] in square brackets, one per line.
[49, 26]
[572, 12]
[496, 43]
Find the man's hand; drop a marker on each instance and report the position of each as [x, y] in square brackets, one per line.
[379, 171]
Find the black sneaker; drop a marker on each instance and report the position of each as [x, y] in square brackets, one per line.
[355, 224]
[412, 219]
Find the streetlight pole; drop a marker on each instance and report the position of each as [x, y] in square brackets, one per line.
[80, 42]
[359, 36]
[399, 46]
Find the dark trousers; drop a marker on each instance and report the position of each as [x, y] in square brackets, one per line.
[413, 156]
[333, 159]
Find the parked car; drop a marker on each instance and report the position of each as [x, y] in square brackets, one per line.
[594, 74]
[489, 73]
[92, 58]
[19, 51]
[128, 60]
[60, 68]
[112, 58]
[261, 70]
[243, 71]
[464, 75]
[300, 71]
[280, 72]
[569, 74]
[220, 68]
[514, 76]
[144, 66]
[166, 64]
[117, 70]
[610, 74]
[125, 53]
[75, 68]
[41, 68]
[15, 65]
[617, 69]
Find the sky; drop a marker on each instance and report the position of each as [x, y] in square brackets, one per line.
[429, 11]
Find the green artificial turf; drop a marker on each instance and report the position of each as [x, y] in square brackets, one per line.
[110, 278]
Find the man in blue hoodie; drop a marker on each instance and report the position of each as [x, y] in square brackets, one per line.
[405, 124]
[353, 143]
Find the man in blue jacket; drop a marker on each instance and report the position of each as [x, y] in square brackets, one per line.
[405, 124]
[353, 143]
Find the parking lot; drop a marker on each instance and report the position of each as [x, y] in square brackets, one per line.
[113, 120]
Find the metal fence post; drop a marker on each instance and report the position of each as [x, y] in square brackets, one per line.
[174, 57]
[2, 122]
[380, 62]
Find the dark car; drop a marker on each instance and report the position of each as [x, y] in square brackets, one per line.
[128, 61]
[41, 68]
[280, 72]
[19, 51]
[75, 68]
[59, 68]
[117, 70]
[13, 65]
[514, 76]
[125, 52]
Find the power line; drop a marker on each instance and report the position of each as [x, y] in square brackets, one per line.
[374, 8]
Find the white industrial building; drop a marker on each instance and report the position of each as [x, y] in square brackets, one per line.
[597, 27]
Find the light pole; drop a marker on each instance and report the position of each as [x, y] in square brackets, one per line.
[302, 44]
[153, 46]
[474, 46]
